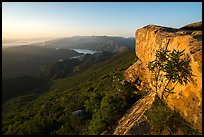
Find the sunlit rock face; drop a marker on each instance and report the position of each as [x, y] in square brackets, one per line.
[187, 99]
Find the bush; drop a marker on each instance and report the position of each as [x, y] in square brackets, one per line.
[176, 68]
[160, 117]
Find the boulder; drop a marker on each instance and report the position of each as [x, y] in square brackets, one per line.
[81, 114]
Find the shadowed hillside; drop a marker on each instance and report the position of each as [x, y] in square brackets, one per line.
[28, 60]
[97, 90]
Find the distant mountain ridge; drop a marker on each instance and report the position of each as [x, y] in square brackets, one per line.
[98, 43]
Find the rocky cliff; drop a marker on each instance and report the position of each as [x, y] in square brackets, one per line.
[187, 99]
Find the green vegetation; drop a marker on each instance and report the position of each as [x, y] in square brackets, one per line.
[175, 65]
[67, 67]
[41, 66]
[97, 90]
[165, 121]
[176, 68]
[24, 85]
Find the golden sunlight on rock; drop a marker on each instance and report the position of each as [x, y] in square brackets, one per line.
[187, 98]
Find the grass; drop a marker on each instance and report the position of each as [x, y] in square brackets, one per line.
[165, 121]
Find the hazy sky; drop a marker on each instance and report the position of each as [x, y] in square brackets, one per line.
[28, 20]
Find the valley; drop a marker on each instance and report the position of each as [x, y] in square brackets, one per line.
[102, 68]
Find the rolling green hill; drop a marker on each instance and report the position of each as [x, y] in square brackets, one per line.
[67, 67]
[97, 91]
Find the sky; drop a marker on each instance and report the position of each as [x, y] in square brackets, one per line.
[36, 20]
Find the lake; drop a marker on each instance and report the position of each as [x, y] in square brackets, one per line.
[85, 51]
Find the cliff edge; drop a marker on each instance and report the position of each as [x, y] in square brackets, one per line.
[187, 99]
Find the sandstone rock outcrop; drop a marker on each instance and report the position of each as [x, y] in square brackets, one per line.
[187, 99]
[134, 114]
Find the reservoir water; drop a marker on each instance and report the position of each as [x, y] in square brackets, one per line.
[85, 51]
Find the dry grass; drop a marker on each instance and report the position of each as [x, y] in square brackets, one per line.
[193, 26]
